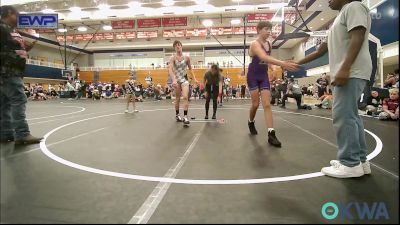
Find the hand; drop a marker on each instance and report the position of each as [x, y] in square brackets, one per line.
[290, 66]
[29, 45]
[219, 99]
[393, 116]
[342, 77]
[174, 84]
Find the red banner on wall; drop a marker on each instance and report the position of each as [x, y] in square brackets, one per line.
[249, 30]
[123, 24]
[257, 17]
[99, 37]
[173, 33]
[125, 35]
[174, 22]
[147, 34]
[149, 23]
[109, 36]
[87, 37]
[197, 32]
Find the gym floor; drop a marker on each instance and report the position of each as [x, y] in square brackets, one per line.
[99, 165]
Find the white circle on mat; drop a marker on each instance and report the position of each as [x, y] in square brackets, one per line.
[47, 152]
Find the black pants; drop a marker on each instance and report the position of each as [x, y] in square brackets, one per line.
[212, 92]
[295, 96]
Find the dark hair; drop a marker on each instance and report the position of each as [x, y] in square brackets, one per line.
[291, 79]
[396, 71]
[263, 24]
[176, 43]
[7, 10]
[215, 67]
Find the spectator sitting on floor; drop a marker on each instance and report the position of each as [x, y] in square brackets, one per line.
[374, 102]
[391, 106]
[96, 94]
[53, 93]
[107, 94]
[326, 101]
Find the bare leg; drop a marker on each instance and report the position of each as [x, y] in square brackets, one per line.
[177, 97]
[255, 102]
[266, 103]
[185, 95]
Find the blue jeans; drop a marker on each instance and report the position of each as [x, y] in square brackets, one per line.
[348, 125]
[12, 109]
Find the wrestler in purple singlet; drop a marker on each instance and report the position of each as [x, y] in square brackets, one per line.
[257, 76]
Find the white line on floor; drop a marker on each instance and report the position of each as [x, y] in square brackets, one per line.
[333, 145]
[59, 142]
[71, 117]
[143, 215]
[82, 109]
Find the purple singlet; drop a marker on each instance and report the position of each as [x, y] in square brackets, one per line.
[257, 76]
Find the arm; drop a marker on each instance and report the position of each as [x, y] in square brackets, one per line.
[190, 70]
[357, 36]
[323, 48]
[356, 41]
[257, 49]
[171, 70]
[29, 45]
[220, 86]
[205, 79]
[386, 109]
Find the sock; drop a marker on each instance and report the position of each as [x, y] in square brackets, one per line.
[270, 130]
[177, 112]
[185, 112]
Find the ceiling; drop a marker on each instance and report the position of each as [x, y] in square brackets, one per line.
[215, 9]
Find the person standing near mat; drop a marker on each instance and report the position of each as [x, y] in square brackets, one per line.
[258, 80]
[130, 91]
[177, 70]
[351, 66]
[13, 100]
[213, 89]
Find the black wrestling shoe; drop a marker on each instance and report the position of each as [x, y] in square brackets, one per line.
[273, 140]
[214, 117]
[206, 117]
[252, 128]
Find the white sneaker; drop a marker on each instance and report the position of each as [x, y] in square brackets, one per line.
[366, 166]
[126, 111]
[136, 111]
[339, 170]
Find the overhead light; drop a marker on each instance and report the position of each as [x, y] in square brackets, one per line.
[236, 21]
[134, 4]
[168, 2]
[48, 11]
[107, 27]
[82, 29]
[207, 23]
[237, 0]
[322, 18]
[75, 9]
[201, 2]
[319, 5]
[62, 30]
[103, 7]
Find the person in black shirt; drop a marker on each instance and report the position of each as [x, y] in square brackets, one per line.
[213, 88]
[13, 100]
[322, 83]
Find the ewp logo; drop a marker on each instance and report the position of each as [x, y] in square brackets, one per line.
[377, 211]
[34, 21]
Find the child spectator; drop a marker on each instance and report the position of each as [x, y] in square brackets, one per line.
[391, 106]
